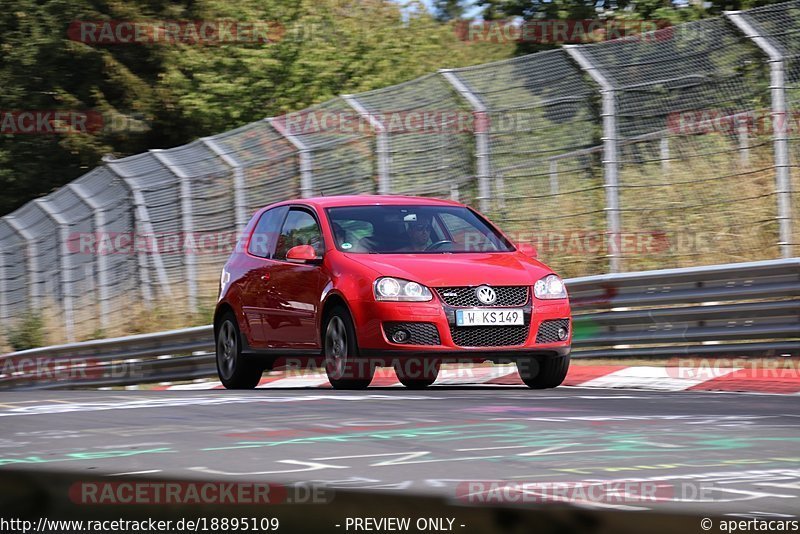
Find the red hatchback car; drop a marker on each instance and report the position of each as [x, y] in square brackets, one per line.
[355, 282]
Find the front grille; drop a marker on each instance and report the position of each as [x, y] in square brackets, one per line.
[420, 333]
[489, 336]
[465, 297]
[548, 330]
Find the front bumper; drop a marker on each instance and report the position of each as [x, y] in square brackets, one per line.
[371, 319]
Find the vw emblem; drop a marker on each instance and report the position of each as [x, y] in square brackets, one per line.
[486, 294]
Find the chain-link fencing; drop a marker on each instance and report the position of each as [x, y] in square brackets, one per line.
[776, 30]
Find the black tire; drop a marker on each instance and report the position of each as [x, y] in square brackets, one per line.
[344, 367]
[417, 376]
[234, 370]
[543, 373]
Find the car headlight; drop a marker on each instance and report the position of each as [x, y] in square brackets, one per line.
[388, 288]
[550, 287]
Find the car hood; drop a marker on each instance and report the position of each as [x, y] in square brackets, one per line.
[470, 269]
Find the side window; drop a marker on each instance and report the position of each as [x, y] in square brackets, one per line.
[300, 228]
[265, 235]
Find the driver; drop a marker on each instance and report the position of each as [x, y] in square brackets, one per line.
[419, 233]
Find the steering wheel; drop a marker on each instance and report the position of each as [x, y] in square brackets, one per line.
[439, 244]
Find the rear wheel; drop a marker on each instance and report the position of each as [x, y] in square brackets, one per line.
[417, 376]
[344, 367]
[543, 373]
[234, 370]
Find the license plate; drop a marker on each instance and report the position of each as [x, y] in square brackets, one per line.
[492, 317]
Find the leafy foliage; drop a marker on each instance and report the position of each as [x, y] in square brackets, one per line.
[28, 333]
[174, 93]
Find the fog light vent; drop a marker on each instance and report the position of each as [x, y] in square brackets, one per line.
[411, 333]
[400, 336]
[553, 331]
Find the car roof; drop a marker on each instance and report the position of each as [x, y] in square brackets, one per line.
[370, 200]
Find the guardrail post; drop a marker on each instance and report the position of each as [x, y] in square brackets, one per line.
[187, 225]
[100, 258]
[780, 119]
[665, 153]
[32, 253]
[65, 266]
[481, 123]
[239, 207]
[304, 154]
[610, 153]
[142, 218]
[382, 144]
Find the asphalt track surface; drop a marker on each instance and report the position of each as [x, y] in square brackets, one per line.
[710, 453]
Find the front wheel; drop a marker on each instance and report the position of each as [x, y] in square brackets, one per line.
[345, 369]
[543, 373]
[417, 376]
[234, 370]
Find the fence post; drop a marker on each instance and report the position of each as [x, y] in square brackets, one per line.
[187, 225]
[382, 144]
[65, 266]
[100, 258]
[4, 316]
[454, 191]
[32, 252]
[744, 141]
[553, 176]
[238, 181]
[783, 185]
[665, 153]
[481, 123]
[304, 153]
[143, 222]
[610, 153]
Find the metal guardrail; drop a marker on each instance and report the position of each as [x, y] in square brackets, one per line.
[741, 309]
[182, 354]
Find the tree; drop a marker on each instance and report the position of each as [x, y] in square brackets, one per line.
[447, 10]
[174, 93]
[655, 11]
[43, 69]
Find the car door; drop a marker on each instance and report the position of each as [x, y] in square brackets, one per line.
[296, 287]
[256, 283]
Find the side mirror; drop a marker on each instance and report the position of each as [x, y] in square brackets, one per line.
[528, 249]
[303, 254]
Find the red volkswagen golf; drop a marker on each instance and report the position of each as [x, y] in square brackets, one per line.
[355, 282]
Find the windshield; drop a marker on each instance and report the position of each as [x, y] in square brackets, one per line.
[418, 229]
